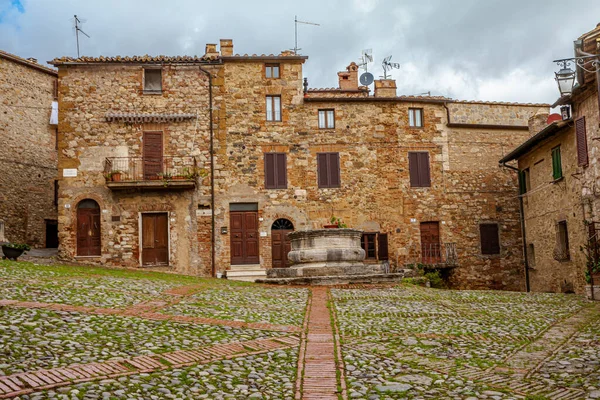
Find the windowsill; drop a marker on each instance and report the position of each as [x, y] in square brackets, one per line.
[273, 122]
[416, 127]
[420, 187]
[490, 255]
[329, 187]
[326, 129]
[558, 179]
[151, 92]
[276, 188]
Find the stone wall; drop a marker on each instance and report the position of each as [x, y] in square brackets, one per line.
[28, 159]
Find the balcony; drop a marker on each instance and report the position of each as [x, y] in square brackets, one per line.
[433, 256]
[166, 173]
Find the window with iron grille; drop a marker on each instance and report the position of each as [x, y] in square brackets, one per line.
[272, 71]
[273, 108]
[326, 119]
[418, 167]
[275, 171]
[328, 170]
[557, 172]
[152, 80]
[490, 238]
[415, 117]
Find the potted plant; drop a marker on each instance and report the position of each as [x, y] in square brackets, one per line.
[114, 176]
[12, 251]
[335, 223]
[165, 176]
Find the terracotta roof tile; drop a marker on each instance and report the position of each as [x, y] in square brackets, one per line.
[23, 61]
[502, 103]
[145, 59]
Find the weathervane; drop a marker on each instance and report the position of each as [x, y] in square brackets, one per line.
[388, 66]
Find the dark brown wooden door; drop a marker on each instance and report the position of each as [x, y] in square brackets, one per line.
[88, 231]
[430, 242]
[244, 237]
[153, 154]
[155, 239]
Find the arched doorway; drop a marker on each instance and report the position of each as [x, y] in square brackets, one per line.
[280, 244]
[88, 228]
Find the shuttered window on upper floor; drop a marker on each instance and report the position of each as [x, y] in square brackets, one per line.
[328, 170]
[418, 166]
[582, 149]
[275, 171]
[556, 163]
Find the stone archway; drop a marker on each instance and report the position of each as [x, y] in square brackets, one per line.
[280, 244]
[88, 229]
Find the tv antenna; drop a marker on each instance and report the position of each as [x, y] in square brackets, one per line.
[77, 30]
[296, 22]
[388, 66]
[366, 58]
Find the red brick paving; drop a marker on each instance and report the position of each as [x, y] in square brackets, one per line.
[28, 382]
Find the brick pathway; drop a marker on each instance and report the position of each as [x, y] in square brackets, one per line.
[28, 382]
[141, 311]
[319, 379]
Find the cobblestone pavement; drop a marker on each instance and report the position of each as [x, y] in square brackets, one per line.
[94, 333]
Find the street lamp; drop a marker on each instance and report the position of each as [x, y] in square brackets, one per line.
[565, 78]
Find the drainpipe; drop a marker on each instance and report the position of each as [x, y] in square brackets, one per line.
[521, 212]
[212, 175]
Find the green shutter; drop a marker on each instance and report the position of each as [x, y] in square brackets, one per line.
[522, 188]
[556, 163]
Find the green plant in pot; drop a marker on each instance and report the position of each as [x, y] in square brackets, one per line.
[335, 223]
[12, 251]
[114, 175]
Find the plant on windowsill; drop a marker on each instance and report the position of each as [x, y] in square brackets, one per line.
[165, 176]
[335, 223]
[114, 176]
[12, 251]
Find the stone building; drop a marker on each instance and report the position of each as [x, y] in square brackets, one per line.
[559, 170]
[418, 174]
[28, 159]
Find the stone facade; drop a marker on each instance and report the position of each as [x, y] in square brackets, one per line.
[372, 135]
[28, 160]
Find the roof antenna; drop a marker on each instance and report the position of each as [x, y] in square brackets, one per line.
[77, 30]
[296, 22]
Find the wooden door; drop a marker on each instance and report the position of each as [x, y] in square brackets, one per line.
[153, 155]
[244, 237]
[51, 234]
[155, 239]
[430, 242]
[88, 230]
[280, 243]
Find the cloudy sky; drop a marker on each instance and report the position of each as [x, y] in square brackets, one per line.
[465, 49]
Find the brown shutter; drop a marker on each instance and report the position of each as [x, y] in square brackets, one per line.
[334, 169]
[413, 168]
[322, 170]
[55, 88]
[281, 165]
[582, 150]
[382, 245]
[270, 171]
[424, 176]
[490, 242]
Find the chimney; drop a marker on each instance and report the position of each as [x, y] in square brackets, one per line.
[211, 50]
[226, 47]
[349, 80]
[33, 60]
[385, 88]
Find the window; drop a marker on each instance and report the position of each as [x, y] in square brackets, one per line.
[275, 171]
[152, 80]
[556, 163]
[582, 150]
[271, 70]
[418, 166]
[273, 108]
[415, 117]
[531, 255]
[524, 183]
[55, 192]
[328, 170]
[561, 253]
[375, 246]
[490, 239]
[326, 119]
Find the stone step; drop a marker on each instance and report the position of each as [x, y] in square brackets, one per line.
[245, 267]
[245, 273]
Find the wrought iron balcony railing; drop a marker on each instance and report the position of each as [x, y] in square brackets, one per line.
[434, 254]
[124, 170]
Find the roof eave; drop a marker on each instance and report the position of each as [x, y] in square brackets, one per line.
[542, 135]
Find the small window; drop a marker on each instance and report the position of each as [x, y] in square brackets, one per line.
[55, 192]
[275, 171]
[326, 119]
[524, 183]
[418, 166]
[557, 172]
[271, 70]
[375, 246]
[562, 253]
[152, 80]
[490, 239]
[415, 117]
[328, 170]
[273, 108]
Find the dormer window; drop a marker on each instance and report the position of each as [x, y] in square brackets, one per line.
[272, 71]
[152, 80]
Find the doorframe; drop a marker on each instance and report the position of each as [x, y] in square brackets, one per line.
[140, 232]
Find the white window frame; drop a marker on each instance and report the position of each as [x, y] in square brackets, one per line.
[273, 107]
[327, 119]
[415, 117]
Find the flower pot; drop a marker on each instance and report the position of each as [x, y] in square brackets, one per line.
[116, 177]
[10, 253]
[178, 178]
[335, 226]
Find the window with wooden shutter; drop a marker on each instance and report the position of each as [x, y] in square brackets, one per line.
[382, 246]
[582, 149]
[275, 171]
[524, 184]
[556, 163]
[490, 239]
[418, 167]
[328, 170]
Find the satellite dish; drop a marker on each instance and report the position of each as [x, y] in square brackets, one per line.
[366, 79]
